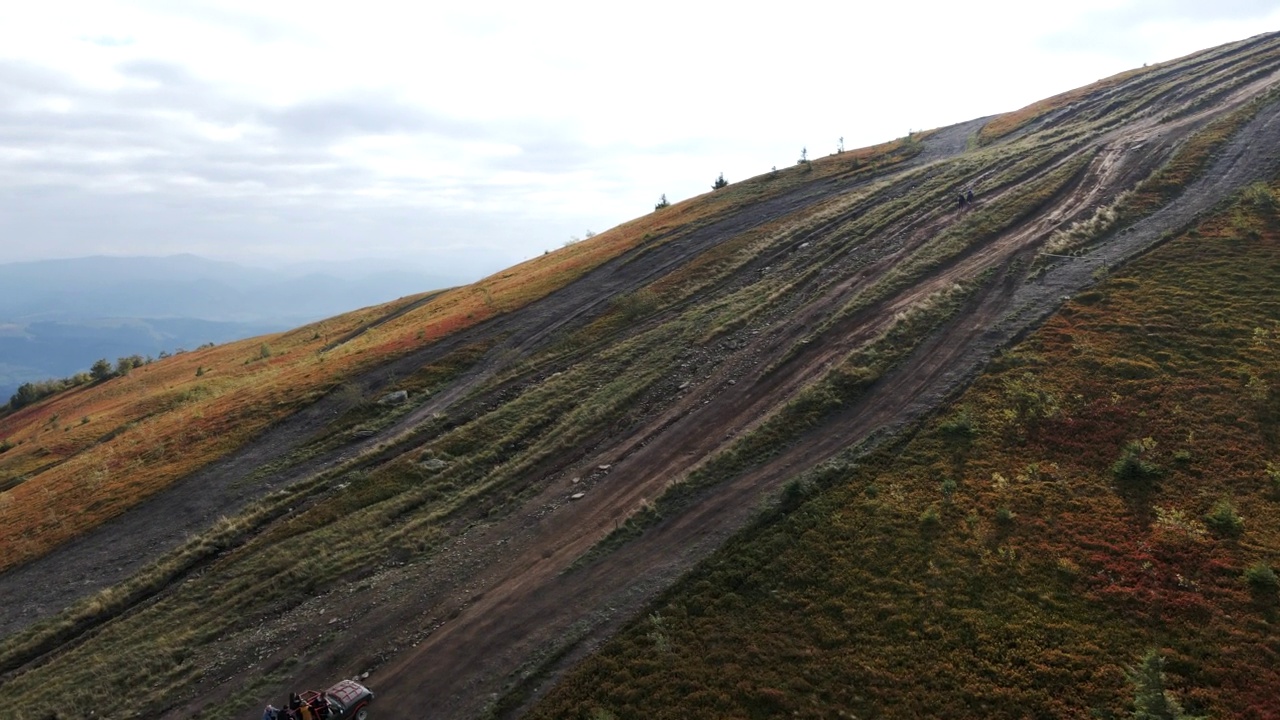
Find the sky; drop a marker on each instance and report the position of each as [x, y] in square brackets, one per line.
[465, 137]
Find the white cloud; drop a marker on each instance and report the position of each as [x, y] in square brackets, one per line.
[247, 129]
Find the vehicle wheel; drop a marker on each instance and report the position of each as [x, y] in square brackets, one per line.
[362, 714]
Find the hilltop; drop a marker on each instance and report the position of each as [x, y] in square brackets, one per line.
[58, 316]
[836, 438]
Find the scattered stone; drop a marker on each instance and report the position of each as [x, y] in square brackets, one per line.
[575, 481]
[366, 433]
[577, 496]
[604, 467]
[434, 464]
[398, 397]
[685, 384]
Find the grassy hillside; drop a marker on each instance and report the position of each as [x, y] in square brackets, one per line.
[1108, 486]
[76, 460]
[584, 429]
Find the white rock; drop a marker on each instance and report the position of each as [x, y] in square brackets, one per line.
[398, 397]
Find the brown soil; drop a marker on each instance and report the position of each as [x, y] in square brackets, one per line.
[517, 602]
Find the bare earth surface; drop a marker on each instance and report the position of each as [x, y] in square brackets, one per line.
[122, 546]
[515, 601]
[501, 600]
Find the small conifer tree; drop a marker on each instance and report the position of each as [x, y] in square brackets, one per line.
[720, 182]
[1151, 701]
[101, 369]
[662, 201]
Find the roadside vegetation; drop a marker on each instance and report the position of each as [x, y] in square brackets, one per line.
[1102, 490]
[65, 476]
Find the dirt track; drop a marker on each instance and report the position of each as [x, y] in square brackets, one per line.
[119, 548]
[460, 629]
[520, 604]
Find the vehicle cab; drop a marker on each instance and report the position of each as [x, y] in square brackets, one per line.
[348, 700]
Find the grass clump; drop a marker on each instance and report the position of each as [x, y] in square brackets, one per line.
[930, 519]
[1261, 578]
[1224, 520]
[1133, 468]
[1083, 232]
[1004, 515]
[960, 428]
[1151, 700]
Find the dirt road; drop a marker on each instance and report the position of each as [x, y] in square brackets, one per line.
[521, 604]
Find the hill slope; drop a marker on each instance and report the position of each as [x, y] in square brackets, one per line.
[58, 316]
[584, 429]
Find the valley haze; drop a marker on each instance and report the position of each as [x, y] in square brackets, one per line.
[59, 316]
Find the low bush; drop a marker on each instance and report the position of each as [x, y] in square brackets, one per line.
[794, 493]
[960, 428]
[1132, 468]
[1261, 578]
[1223, 519]
[930, 519]
[1004, 515]
[1151, 700]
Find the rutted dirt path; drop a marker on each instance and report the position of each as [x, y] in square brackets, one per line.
[523, 603]
[460, 628]
[122, 546]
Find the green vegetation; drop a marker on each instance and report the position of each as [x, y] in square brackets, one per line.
[33, 392]
[1224, 520]
[1032, 578]
[101, 369]
[1151, 701]
[1261, 578]
[1133, 468]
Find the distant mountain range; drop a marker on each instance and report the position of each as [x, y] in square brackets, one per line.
[58, 316]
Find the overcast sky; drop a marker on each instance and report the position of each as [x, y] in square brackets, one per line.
[453, 134]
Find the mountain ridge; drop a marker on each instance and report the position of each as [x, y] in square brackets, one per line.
[58, 314]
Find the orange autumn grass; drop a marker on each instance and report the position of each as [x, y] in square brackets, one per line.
[86, 455]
